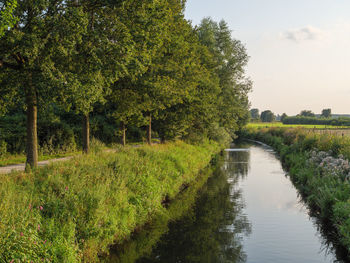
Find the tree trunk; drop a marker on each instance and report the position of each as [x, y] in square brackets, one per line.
[149, 131]
[123, 128]
[32, 134]
[86, 134]
[162, 139]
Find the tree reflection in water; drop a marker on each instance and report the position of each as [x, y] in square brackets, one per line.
[213, 229]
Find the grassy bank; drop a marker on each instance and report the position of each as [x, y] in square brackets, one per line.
[141, 243]
[319, 168]
[71, 211]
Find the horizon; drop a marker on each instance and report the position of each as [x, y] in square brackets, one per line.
[298, 50]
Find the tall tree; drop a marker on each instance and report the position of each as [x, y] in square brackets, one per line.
[283, 117]
[43, 35]
[231, 59]
[326, 113]
[98, 60]
[147, 24]
[307, 113]
[267, 116]
[192, 88]
[172, 77]
[254, 114]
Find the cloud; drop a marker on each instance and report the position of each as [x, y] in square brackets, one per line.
[307, 33]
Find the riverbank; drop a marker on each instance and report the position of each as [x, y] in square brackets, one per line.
[72, 211]
[319, 168]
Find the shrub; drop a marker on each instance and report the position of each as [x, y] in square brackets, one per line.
[3, 148]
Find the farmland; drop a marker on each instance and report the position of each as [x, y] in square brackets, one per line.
[308, 126]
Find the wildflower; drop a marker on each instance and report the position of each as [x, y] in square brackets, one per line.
[41, 208]
[12, 261]
[38, 227]
[21, 234]
[66, 188]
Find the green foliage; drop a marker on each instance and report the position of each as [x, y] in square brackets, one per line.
[307, 113]
[283, 117]
[7, 19]
[343, 121]
[326, 113]
[70, 211]
[126, 62]
[267, 116]
[3, 148]
[230, 58]
[254, 114]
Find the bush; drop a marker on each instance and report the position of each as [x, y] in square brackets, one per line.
[3, 148]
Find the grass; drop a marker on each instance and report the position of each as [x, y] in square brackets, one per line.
[280, 124]
[74, 210]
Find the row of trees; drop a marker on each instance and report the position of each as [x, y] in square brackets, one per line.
[265, 116]
[139, 60]
[326, 113]
[342, 121]
[269, 116]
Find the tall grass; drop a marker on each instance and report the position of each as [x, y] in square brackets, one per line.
[72, 211]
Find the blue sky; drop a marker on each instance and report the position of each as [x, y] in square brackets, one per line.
[299, 49]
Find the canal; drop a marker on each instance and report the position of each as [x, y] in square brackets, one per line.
[247, 211]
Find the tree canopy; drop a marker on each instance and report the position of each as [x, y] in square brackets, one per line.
[326, 113]
[7, 18]
[135, 64]
[267, 116]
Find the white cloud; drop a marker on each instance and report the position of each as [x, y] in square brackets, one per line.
[306, 33]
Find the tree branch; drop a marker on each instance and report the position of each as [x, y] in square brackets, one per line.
[9, 65]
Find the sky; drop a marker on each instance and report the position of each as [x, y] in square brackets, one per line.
[299, 50]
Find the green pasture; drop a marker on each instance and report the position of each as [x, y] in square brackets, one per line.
[280, 124]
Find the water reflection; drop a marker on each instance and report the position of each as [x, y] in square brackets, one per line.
[213, 229]
[248, 211]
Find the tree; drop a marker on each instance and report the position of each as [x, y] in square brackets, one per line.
[267, 116]
[29, 56]
[169, 79]
[126, 95]
[254, 114]
[195, 87]
[7, 19]
[326, 113]
[230, 58]
[283, 117]
[99, 59]
[307, 113]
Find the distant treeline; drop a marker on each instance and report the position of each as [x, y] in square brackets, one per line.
[317, 121]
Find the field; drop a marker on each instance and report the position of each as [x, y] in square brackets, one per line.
[308, 126]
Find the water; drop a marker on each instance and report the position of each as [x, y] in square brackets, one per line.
[248, 211]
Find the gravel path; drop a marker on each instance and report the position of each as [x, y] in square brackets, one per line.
[20, 167]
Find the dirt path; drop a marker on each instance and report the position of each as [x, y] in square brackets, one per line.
[20, 167]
